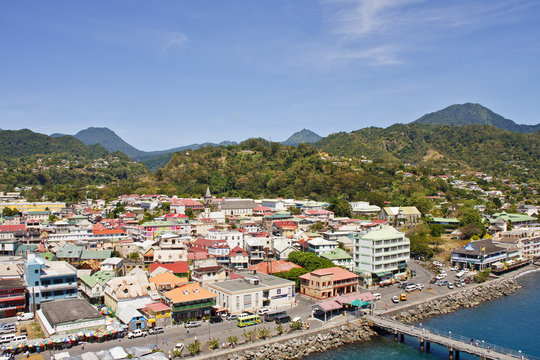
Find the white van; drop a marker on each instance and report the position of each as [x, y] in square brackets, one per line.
[25, 316]
[460, 274]
[410, 288]
[6, 339]
[18, 339]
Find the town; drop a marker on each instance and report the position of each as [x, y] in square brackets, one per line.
[155, 267]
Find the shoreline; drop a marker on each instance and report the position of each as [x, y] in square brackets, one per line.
[342, 332]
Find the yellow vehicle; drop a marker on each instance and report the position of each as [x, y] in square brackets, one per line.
[403, 297]
[249, 320]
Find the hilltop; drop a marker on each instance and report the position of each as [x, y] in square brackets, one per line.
[468, 113]
[303, 136]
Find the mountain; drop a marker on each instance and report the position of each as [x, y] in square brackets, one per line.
[24, 143]
[112, 142]
[302, 136]
[464, 114]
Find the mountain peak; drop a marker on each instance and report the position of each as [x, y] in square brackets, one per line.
[302, 136]
[471, 113]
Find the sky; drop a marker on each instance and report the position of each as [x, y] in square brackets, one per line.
[163, 74]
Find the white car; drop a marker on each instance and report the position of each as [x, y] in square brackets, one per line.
[419, 286]
[25, 316]
[377, 296]
[440, 277]
[454, 268]
[263, 310]
[395, 299]
[136, 333]
[436, 263]
[192, 324]
[179, 347]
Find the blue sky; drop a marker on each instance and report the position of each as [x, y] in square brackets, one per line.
[167, 73]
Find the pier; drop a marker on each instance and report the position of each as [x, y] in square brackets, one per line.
[454, 343]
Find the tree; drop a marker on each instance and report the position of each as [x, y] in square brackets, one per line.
[340, 207]
[296, 325]
[194, 348]
[279, 329]
[7, 212]
[232, 339]
[293, 275]
[248, 335]
[189, 213]
[214, 343]
[309, 261]
[263, 333]
[134, 256]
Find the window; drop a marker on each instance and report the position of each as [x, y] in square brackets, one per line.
[37, 283]
[279, 290]
[247, 301]
[237, 302]
[36, 271]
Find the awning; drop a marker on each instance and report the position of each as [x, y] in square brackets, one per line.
[151, 320]
[328, 305]
[359, 303]
[382, 274]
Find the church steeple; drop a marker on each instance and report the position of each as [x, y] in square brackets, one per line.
[207, 197]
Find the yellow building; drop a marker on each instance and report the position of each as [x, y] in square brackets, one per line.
[158, 314]
[24, 206]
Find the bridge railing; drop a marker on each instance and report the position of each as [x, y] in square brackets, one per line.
[420, 328]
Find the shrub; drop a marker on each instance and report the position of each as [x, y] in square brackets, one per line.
[248, 335]
[214, 344]
[296, 325]
[263, 333]
[280, 329]
[194, 348]
[232, 339]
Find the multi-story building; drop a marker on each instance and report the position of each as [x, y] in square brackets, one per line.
[339, 257]
[12, 297]
[380, 254]
[151, 229]
[253, 291]
[255, 250]
[526, 240]
[92, 287]
[328, 283]
[233, 237]
[478, 255]
[190, 301]
[49, 280]
[320, 245]
[237, 207]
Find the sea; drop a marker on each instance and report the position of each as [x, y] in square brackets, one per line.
[511, 321]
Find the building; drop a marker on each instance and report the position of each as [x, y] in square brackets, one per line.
[364, 208]
[151, 229]
[274, 267]
[158, 314]
[233, 237]
[239, 258]
[328, 283]
[167, 281]
[69, 316]
[478, 255]
[320, 245]
[133, 291]
[340, 257]
[190, 301]
[113, 264]
[237, 207]
[525, 240]
[132, 318]
[178, 268]
[252, 292]
[517, 220]
[380, 254]
[209, 274]
[12, 297]
[49, 280]
[92, 287]
[406, 215]
[255, 250]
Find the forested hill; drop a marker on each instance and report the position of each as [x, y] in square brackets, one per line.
[22, 143]
[478, 146]
[465, 114]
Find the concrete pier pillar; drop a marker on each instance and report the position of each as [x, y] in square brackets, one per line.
[456, 355]
[421, 345]
[402, 337]
[451, 354]
[396, 336]
[427, 346]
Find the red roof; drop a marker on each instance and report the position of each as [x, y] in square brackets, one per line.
[158, 306]
[234, 276]
[336, 272]
[179, 267]
[187, 202]
[12, 228]
[275, 267]
[197, 255]
[285, 223]
[261, 208]
[206, 243]
[238, 249]
[175, 216]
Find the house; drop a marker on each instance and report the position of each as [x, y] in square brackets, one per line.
[407, 215]
[239, 258]
[446, 222]
[517, 220]
[151, 229]
[12, 296]
[273, 267]
[130, 291]
[209, 274]
[364, 208]
[478, 255]
[339, 257]
[93, 286]
[112, 264]
[190, 301]
[169, 256]
[158, 314]
[167, 281]
[178, 268]
[233, 238]
[255, 250]
[221, 252]
[328, 283]
[380, 254]
[97, 255]
[237, 207]
[253, 291]
[285, 228]
[132, 318]
[70, 253]
[181, 205]
[49, 280]
[320, 245]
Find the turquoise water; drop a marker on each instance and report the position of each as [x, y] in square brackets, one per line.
[512, 321]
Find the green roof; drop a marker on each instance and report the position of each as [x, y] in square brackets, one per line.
[100, 277]
[511, 217]
[69, 251]
[445, 220]
[387, 232]
[48, 256]
[96, 254]
[336, 254]
[159, 223]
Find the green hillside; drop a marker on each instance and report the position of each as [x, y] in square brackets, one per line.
[465, 114]
[303, 136]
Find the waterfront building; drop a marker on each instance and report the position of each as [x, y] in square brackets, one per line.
[478, 255]
[525, 240]
[49, 280]
[158, 314]
[12, 297]
[69, 316]
[190, 301]
[253, 291]
[328, 283]
[380, 254]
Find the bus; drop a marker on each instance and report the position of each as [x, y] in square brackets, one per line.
[249, 320]
[271, 315]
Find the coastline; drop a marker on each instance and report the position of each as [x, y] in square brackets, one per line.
[298, 345]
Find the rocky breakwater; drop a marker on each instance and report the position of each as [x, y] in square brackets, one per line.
[301, 346]
[463, 299]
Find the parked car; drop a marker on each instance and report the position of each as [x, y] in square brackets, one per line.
[395, 299]
[377, 296]
[454, 268]
[179, 347]
[436, 263]
[443, 283]
[410, 288]
[467, 281]
[450, 286]
[192, 324]
[136, 333]
[420, 286]
[403, 297]
[440, 277]
[232, 317]
[156, 330]
[433, 281]
[8, 329]
[263, 310]
[215, 319]
[25, 316]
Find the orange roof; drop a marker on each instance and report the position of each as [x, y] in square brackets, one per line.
[277, 266]
[167, 278]
[189, 292]
[337, 272]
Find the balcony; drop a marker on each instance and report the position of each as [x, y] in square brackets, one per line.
[193, 306]
[55, 287]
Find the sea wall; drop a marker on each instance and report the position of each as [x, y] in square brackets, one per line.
[301, 343]
[463, 299]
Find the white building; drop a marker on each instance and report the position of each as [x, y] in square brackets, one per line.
[320, 245]
[252, 292]
[234, 238]
[380, 254]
